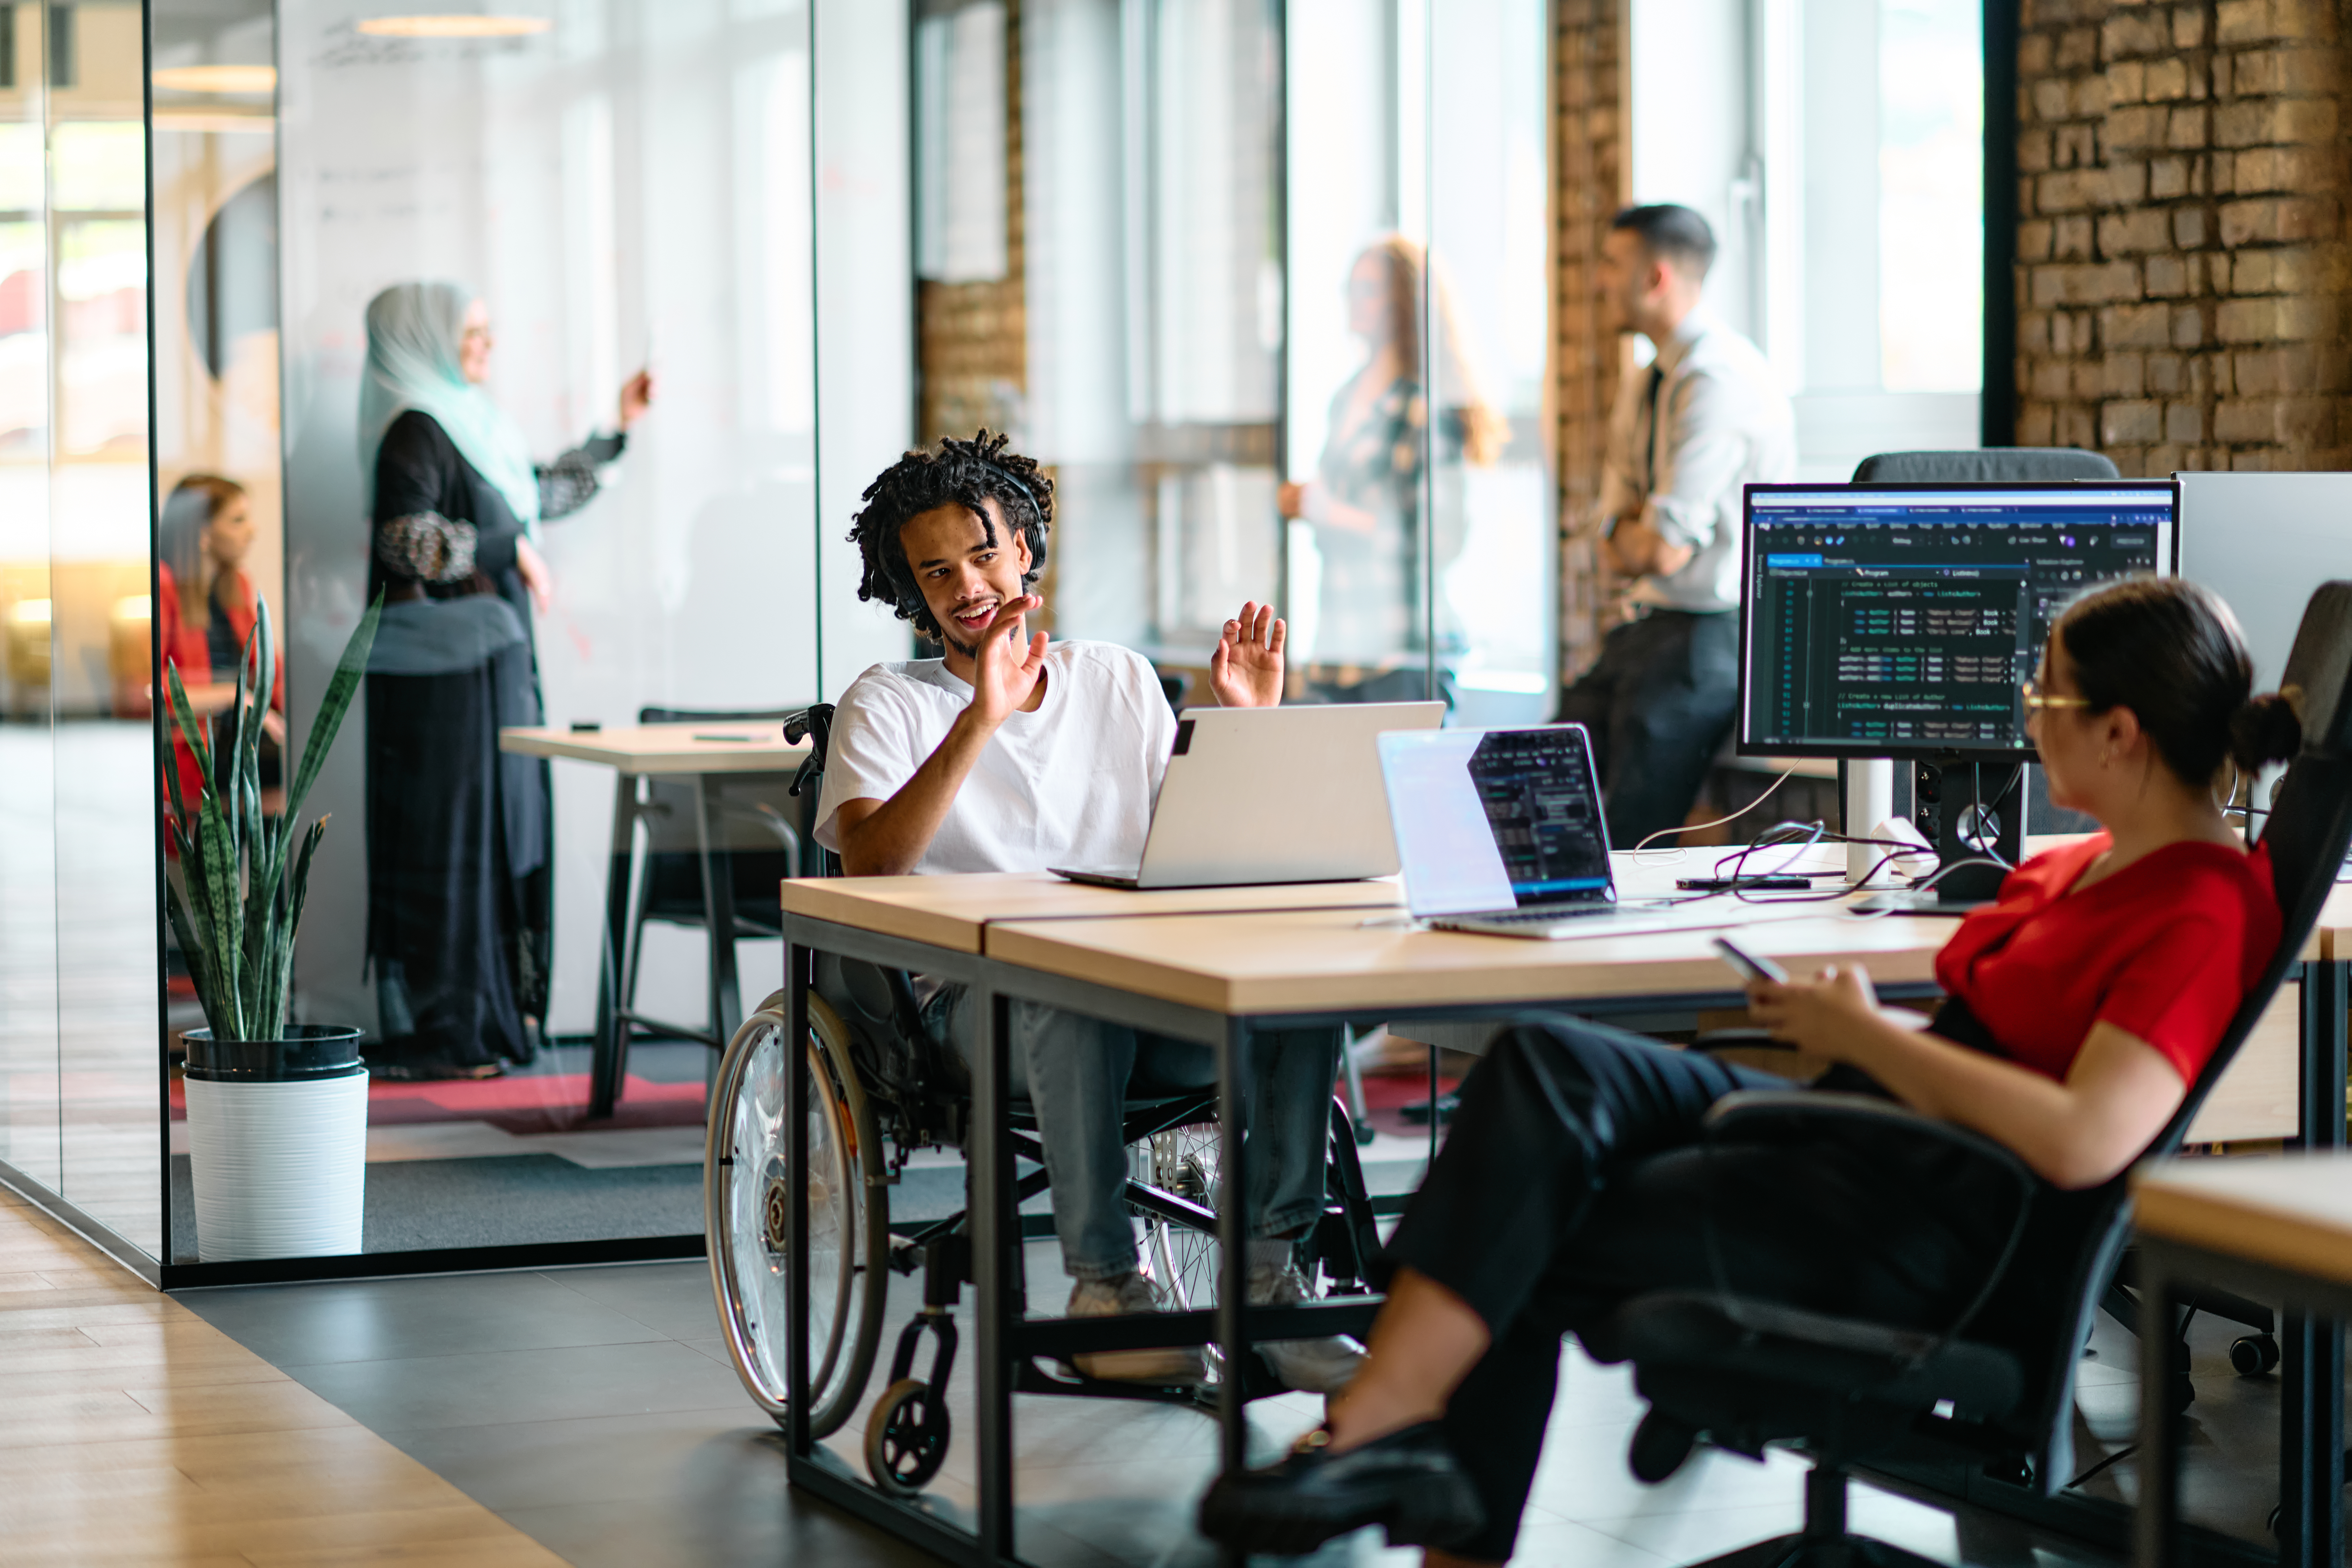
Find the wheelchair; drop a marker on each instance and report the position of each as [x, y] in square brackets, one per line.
[880, 1090]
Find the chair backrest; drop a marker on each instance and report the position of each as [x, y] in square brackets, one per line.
[2306, 834]
[1990, 465]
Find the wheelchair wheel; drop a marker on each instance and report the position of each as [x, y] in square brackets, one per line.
[906, 1437]
[1182, 1261]
[747, 1206]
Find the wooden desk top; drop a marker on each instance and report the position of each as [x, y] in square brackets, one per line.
[1317, 959]
[953, 911]
[759, 747]
[2292, 1211]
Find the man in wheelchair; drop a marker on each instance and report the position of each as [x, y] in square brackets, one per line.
[1012, 754]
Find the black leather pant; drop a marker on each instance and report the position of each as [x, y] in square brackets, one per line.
[1575, 1177]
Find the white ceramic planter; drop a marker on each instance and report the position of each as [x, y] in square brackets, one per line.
[279, 1169]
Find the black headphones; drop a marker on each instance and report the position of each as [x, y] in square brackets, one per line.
[1035, 511]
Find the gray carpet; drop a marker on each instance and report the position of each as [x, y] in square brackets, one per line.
[499, 1201]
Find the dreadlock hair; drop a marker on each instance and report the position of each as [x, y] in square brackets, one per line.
[955, 473]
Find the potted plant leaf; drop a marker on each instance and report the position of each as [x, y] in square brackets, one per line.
[276, 1111]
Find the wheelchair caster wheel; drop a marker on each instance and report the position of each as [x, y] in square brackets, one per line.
[2254, 1354]
[906, 1437]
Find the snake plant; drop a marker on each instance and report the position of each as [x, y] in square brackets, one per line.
[238, 884]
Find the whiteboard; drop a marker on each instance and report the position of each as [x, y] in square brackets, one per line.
[2264, 543]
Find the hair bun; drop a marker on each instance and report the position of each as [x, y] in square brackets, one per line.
[2265, 729]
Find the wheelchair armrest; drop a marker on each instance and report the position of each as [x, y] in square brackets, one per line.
[1770, 1115]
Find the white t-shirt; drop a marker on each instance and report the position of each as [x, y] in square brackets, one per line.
[1070, 784]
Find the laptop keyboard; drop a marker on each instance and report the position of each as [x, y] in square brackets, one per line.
[1547, 917]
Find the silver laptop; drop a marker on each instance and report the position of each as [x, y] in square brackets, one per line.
[1271, 794]
[1501, 831]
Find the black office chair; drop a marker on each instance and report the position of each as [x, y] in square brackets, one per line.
[882, 1088]
[1996, 1391]
[1987, 465]
[756, 840]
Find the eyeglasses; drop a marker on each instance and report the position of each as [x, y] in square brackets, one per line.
[2037, 700]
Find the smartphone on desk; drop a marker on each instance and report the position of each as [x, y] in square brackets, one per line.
[1750, 965]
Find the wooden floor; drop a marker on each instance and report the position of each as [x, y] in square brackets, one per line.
[137, 1433]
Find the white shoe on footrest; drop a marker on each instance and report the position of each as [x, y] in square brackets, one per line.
[1324, 1365]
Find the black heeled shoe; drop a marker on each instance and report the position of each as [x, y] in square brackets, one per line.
[1407, 1481]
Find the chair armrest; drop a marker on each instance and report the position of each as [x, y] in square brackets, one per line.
[1765, 1116]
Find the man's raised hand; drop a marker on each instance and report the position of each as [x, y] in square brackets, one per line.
[1007, 673]
[1246, 669]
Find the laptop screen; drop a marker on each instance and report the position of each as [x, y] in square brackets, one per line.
[1496, 819]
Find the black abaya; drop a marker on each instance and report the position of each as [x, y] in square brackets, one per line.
[459, 835]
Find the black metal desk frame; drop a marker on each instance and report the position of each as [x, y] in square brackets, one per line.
[2311, 1345]
[1002, 1335]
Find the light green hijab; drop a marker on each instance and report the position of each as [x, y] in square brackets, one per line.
[414, 331]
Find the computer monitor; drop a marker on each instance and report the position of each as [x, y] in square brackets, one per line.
[1899, 620]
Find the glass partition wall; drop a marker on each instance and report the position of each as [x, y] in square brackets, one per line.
[1267, 284]
[77, 861]
[1285, 321]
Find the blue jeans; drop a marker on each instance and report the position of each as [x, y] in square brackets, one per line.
[1076, 1074]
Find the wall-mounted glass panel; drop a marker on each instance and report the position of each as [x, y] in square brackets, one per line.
[1491, 542]
[107, 845]
[1419, 504]
[533, 216]
[1153, 307]
[28, 888]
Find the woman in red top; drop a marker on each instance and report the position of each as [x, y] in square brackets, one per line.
[204, 612]
[2083, 1005]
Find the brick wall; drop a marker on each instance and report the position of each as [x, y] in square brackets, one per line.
[1588, 165]
[973, 339]
[2181, 260]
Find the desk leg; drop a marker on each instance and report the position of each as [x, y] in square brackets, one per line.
[995, 1257]
[2156, 1518]
[718, 915]
[609, 1054]
[796, 1153]
[1233, 1249]
[2311, 1361]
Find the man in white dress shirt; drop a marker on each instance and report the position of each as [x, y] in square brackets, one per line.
[1015, 754]
[1705, 419]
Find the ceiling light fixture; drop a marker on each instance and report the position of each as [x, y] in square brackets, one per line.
[454, 26]
[217, 78]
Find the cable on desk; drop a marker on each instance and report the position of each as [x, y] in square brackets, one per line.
[1678, 851]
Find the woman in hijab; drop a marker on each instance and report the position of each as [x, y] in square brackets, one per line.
[1365, 501]
[459, 844]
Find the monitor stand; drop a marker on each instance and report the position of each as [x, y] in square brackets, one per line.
[1945, 792]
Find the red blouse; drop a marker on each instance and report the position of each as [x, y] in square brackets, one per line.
[187, 647]
[2165, 950]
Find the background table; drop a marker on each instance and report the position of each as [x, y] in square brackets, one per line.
[2279, 1228]
[668, 751]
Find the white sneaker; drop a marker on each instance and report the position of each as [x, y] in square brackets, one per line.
[1168, 1365]
[1325, 1365]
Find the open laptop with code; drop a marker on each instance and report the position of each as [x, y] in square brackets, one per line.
[1501, 831]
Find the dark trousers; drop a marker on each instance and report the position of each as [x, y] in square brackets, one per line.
[1575, 1177]
[1658, 704]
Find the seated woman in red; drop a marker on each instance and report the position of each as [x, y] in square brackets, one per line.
[2083, 1005]
[205, 614]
